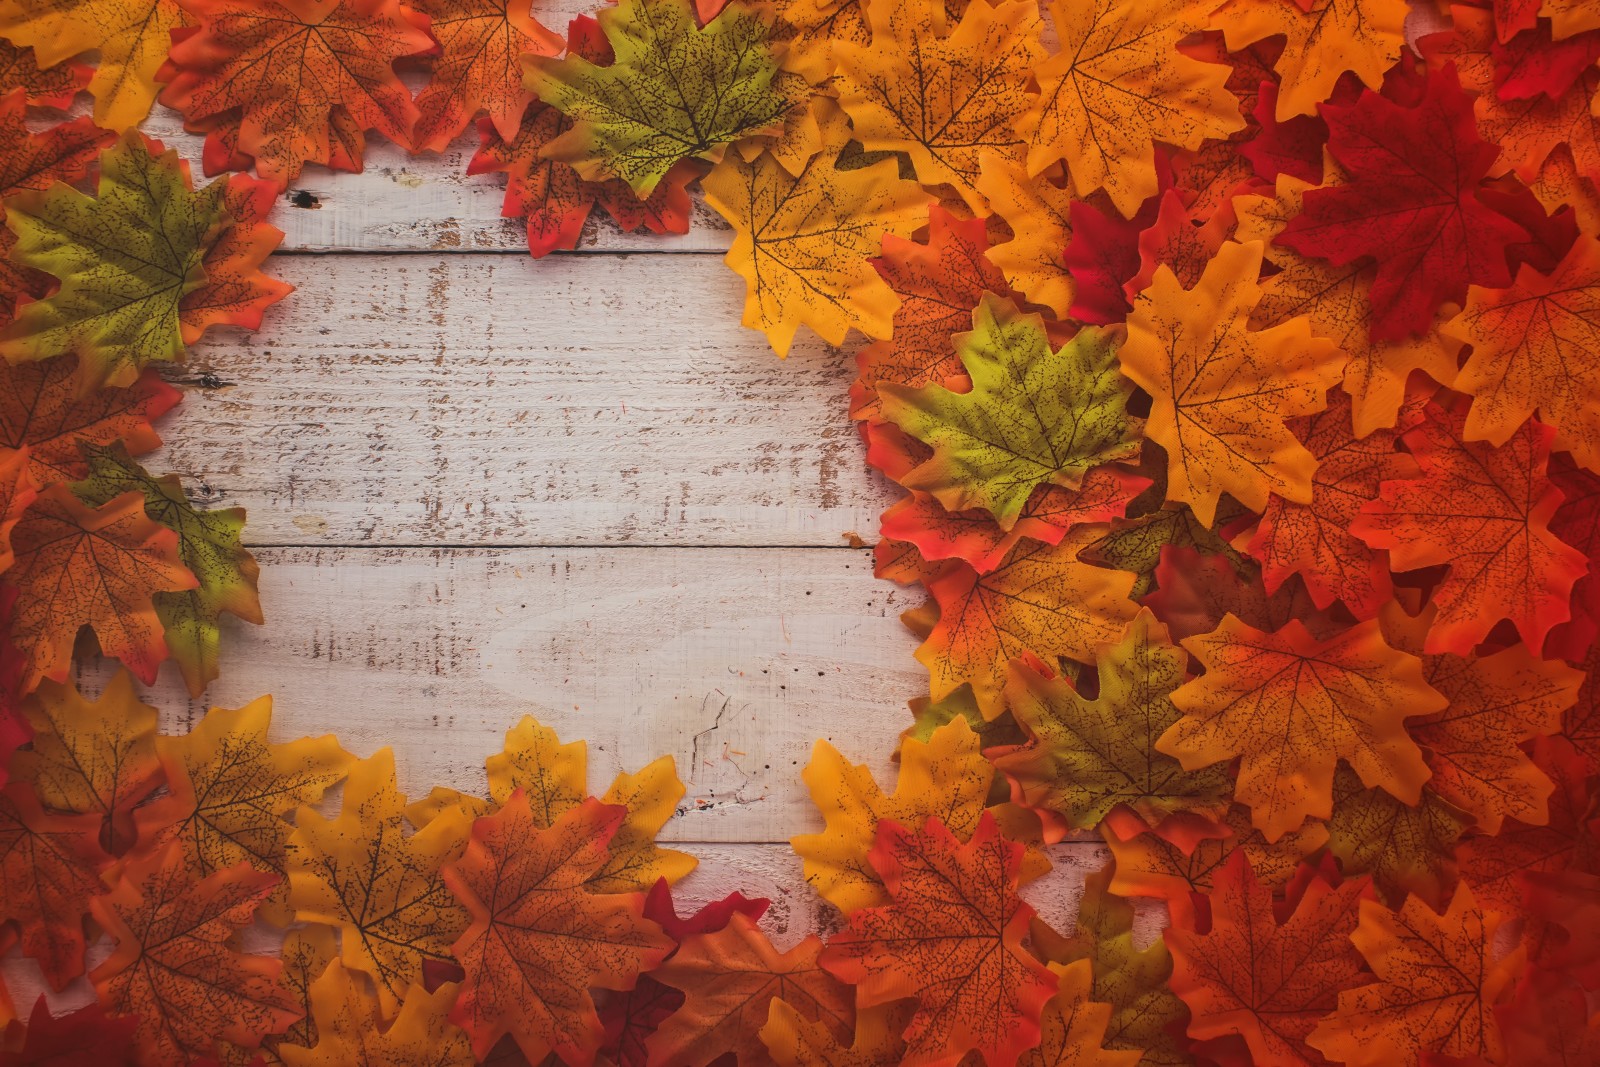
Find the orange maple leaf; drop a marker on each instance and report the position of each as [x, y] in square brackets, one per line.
[539, 939]
[1323, 40]
[296, 77]
[1222, 391]
[479, 66]
[1438, 982]
[952, 938]
[79, 566]
[49, 867]
[730, 979]
[1291, 706]
[176, 965]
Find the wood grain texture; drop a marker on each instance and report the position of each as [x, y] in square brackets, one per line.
[492, 400]
[733, 661]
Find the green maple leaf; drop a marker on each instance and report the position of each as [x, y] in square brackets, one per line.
[208, 544]
[1034, 416]
[674, 90]
[125, 258]
[1088, 756]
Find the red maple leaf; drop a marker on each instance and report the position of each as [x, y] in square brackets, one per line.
[952, 938]
[1484, 512]
[87, 1037]
[1411, 203]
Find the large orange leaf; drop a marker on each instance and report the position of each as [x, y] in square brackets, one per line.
[288, 74]
[1337, 302]
[380, 887]
[1116, 85]
[1085, 757]
[1530, 352]
[1291, 706]
[479, 66]
[42, 410]
[1266, 977]
[79, 566]
[49, 867]
[940, 93]
[1484, 512]
[1041, 601]
[92, 757]
[229, 789]
[731, 978]
[177, 966]
[803, 240]
[540, 939]
[1438, 982]
[1221, 390]
[952, 938]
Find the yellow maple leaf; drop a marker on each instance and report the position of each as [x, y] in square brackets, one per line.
[804, 240]
[1221, 391]
[1038, 210]
[349, 1027]
[942, 97]
[1363, 37]
[1117, 85]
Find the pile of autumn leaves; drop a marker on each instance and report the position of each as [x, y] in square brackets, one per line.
[1241, 366]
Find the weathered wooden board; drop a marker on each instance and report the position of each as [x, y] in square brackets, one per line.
[495, 400]
[733, 661]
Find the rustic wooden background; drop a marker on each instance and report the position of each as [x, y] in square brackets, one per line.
[483, 486]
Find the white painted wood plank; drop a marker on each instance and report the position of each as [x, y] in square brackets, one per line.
[733, 661]
[480, 400]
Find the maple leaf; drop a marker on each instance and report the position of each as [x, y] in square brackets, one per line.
[52, 86]
[1291, 706]
[945, 775]
[951, 937]
[208, 545]
[228, 790]
[1548, 1021]
[802, 242]
[674, 91]
[1137, 544]
[145, 266]
[1438, 981]
[942, 94]
[1034, 416]
[1527, 343]
[792, 1040]
[730, 979]
[479, 67]
[1040, 601]
[1181, 240]
[1323, 40]
[1404, 848]
[1484, 512]
[1039, 212]
[939, 283]
[100, 567]
[348, 1027]
[1222, 391]
[1074, 1025]
[1049, 514]
[42, 410]
[92, 757]
[1145, 1014]
[1179, 862]
[279, 70]
[1267, 978]
[132, 37]
[1116, 85]
[1410, 203]
[539, 939]
[1085, 757]
[1313, 539]
[307, 952]
[382, 888]
[176, 966]
[1337, 303]
[1195, 591]
[49, 867]
[86, 1035]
